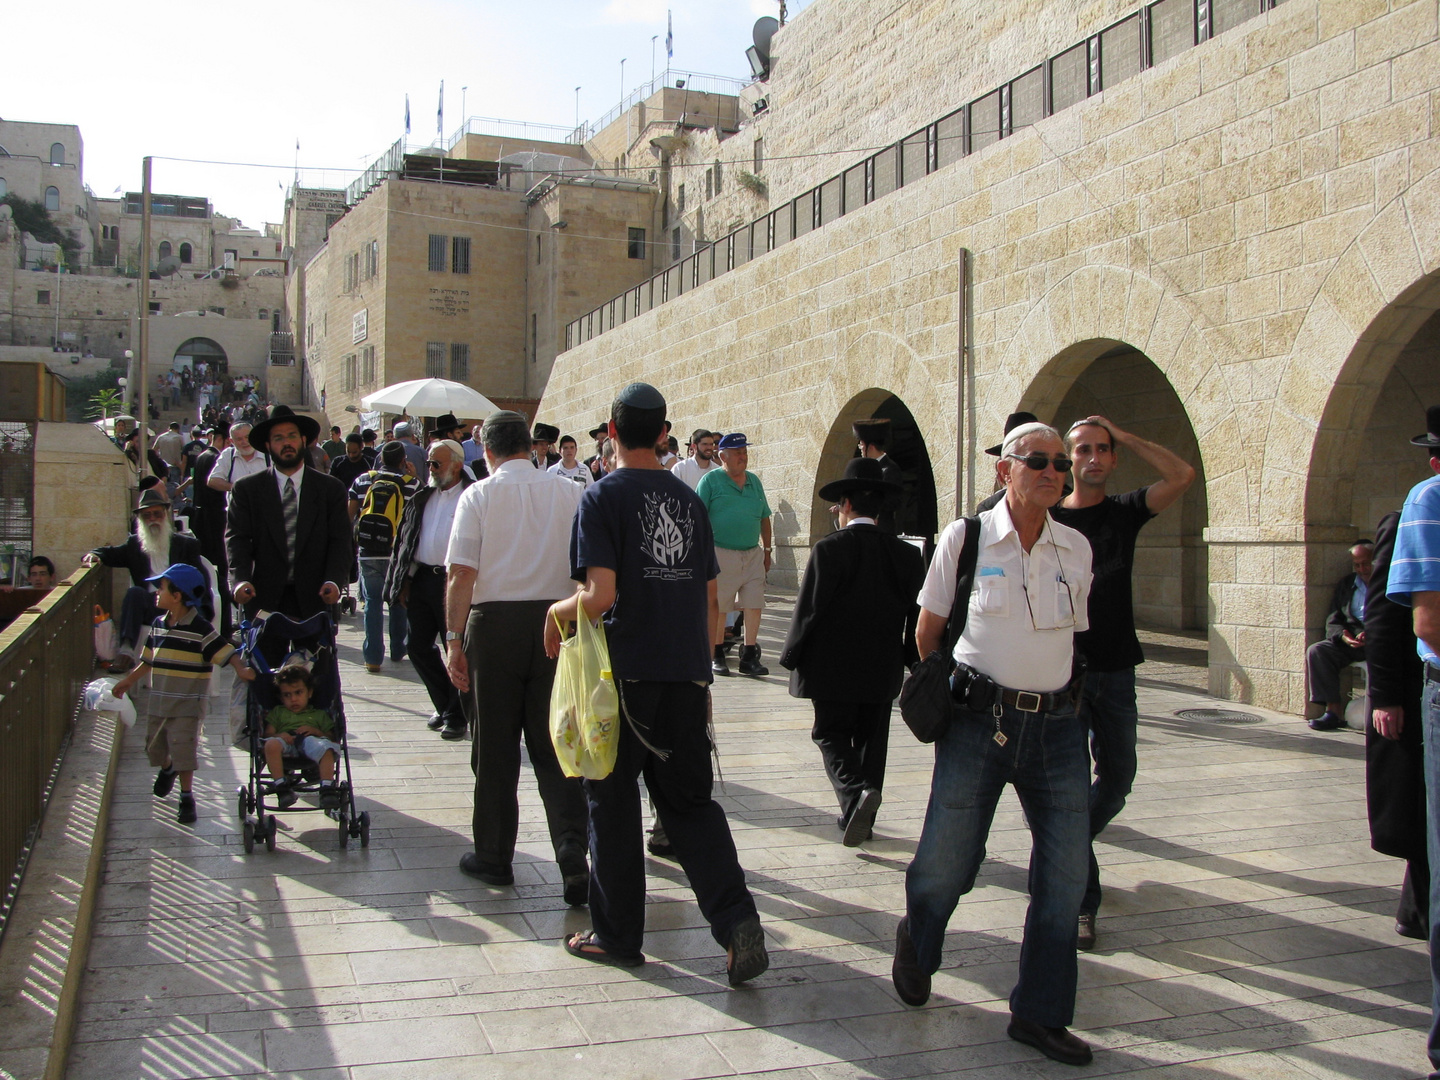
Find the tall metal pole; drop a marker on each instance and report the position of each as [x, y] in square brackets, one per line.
[143, 397]
[964, 430]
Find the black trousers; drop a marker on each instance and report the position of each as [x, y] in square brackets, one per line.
[673, 718]
[510, 678]
[426, 611]
[854, 739]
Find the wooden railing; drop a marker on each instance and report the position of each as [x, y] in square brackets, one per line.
[47, 656]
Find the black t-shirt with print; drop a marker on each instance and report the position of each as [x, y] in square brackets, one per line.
[652, 530]
[1111, 526]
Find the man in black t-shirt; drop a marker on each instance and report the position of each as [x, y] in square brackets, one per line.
[643, 548]
[350, 465]
[1110, 647]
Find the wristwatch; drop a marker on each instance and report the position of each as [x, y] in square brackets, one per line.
[451, 635]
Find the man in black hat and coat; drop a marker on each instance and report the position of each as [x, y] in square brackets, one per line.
[858, 579]
[448, 427]
[542, 446]
[873, 436]
[288, 531]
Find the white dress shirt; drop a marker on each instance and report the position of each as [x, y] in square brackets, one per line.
[513, 530]
[436, 523]
[1025, 607]
[690, 471]
[233, 467]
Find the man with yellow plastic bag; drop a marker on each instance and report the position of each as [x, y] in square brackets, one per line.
[643, 548]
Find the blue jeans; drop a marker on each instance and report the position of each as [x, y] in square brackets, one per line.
[1108, 712]
[1045, 759]
[1430, 707]
[372, 591]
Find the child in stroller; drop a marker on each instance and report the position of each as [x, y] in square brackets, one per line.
[295, 730]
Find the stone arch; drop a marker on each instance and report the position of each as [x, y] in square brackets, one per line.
[198, 349]
[1090, 312]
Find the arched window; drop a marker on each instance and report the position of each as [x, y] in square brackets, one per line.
[186, 253]
[198, 349]
[52, 198]
[57, 153]
[164, 249]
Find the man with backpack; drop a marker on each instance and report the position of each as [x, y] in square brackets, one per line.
[377, 502]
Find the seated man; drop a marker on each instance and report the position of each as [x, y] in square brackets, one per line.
[295, 730]
[1344, 641]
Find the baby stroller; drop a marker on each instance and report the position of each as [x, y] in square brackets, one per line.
[313, 640]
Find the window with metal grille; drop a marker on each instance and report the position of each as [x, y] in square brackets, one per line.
[42, 296]
[636, 244]
[460, 363]
[367, 365]
[718, 177]
[680, 200]
[347, 372]
[709, 184]
[372, 259]
[759, 155]
[1070, 77]
[1228, 14]
[984, 122]
[675, 245]
[434, 359]
[460, 254]
[1120, 52]
[950, 138]
[438, 246]
[1172, 28]
[1027, 99]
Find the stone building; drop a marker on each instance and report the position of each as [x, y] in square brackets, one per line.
[1215, 221]
[45, 163]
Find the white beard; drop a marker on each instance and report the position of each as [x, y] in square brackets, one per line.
[155, 542]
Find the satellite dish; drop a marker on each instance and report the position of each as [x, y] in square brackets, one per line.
[167, 266]
[764, 30]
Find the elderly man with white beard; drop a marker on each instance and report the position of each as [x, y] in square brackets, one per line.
[147, 551]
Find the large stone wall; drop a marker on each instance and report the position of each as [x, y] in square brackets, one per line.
[1259, 217]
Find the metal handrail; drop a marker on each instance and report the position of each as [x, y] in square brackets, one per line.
[47, 655]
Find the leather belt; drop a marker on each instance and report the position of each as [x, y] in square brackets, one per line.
[1031, 702]
[1432, 672]
[424, 568]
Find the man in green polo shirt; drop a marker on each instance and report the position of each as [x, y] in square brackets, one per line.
[740, 520]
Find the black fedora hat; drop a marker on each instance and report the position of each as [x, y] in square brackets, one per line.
[547, 433]
[281, 414]
[602, 429]
[1431, 438]
[1014, 420]
[444, 425]
[874, 432]
[861, 474]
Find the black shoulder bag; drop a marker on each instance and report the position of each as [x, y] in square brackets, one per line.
[925, 702]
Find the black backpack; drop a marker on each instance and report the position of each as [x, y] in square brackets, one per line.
[379, 517]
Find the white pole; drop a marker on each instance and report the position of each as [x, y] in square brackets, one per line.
[653, 40]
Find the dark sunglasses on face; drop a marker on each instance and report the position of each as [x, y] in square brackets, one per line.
[432, 463]
[1037, 461]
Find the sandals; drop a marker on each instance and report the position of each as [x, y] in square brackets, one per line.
[585, 945]
[747, 955]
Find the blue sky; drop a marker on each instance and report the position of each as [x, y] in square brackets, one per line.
[242, 82]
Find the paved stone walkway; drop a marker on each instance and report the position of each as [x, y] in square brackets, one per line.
[1248, 929]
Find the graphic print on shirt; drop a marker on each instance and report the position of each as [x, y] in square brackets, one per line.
[667, 534]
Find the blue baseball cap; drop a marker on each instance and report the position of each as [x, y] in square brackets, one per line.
[734, 441]
[185, 580]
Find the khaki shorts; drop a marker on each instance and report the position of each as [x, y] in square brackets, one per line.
[741, 585]
[177, 742]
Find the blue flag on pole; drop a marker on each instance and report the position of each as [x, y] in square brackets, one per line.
[669, 35]
[407, 114]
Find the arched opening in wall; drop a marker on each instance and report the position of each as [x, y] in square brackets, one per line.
[164, 252]
[52, 199]
[199, 350]
[1105, 377]
[187, 253]
[1362, 464]
[918, 515]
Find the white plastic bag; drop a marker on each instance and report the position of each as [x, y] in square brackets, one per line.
[100, 697]
[105, 643]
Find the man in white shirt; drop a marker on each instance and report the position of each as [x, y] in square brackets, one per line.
[236, 461]
[694, 468]
[567, 466]
[509, 560]
[416, 579]
[1014, 722]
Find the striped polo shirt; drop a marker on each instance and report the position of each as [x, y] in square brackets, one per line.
[1415, 564]
[181, 656]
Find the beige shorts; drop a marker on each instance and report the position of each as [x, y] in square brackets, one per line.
[741, 585]
[177, 742]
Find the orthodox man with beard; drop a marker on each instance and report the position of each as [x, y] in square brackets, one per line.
[147, 551]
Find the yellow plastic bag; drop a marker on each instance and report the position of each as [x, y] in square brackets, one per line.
[584, 705]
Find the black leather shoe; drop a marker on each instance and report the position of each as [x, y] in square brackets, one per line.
[750, 661]
[164, 782]
[1055, 1043]
[436, 722]
[574, 875]
[858, 828]
[1410, 931]
[1085, 939]
[912, 984]
[489, 873]
[717, 662]
[186, 814]
[453, 733]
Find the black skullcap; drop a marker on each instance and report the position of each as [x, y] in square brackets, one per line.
[640, 395]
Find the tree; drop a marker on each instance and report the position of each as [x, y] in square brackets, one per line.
[105, 403]
[31, 216]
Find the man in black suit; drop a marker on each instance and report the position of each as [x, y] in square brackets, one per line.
[288, 533]
[1344, 641]
[850, 639]
[871, 438]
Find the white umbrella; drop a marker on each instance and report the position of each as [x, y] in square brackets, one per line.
[431, 397]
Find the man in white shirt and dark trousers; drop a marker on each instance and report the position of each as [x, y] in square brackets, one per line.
[1014, 722]
[416, 579]
[509, 560]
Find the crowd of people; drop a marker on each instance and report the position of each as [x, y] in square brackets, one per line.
[484, 544]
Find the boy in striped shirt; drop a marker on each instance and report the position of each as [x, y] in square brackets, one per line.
[179, 654]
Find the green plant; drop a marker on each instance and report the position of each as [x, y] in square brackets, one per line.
[753, 184]
[81, 394]
[31, 216]
[103, 403]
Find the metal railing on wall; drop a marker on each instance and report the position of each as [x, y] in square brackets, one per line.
[1153, 34]
[47, 656]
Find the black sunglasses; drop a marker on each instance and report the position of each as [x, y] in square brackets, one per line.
[432, 463]
[1037, 461]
